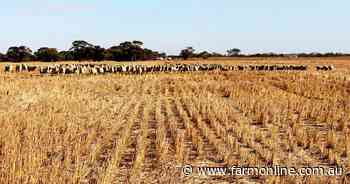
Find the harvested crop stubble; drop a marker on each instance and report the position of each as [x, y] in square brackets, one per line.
[138, 128]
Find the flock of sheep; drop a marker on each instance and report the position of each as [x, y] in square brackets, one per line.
[140, 69]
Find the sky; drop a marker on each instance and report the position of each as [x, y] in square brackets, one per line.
[169, 26]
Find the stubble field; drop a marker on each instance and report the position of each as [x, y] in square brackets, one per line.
[119, 128]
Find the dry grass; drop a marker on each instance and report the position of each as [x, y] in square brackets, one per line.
[137, 129]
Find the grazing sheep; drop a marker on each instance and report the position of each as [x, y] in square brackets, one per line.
[18, 68]
[240, 67]
[94, 71]
[101, 70]
[331, 67]
[23, 67]
[7, 68]
[141, 69]
[63, 70]
[43, 70]
[78, 71]
[31, 68]
[85, 70]
[272, 67]
[324, 67]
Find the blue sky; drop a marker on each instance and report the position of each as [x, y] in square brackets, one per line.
[169, 26]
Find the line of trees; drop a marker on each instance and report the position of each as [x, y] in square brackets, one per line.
[127, 51]
[313, 54]
[83, 51]
[189, 52]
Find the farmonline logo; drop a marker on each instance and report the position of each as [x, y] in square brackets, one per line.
[188, 170]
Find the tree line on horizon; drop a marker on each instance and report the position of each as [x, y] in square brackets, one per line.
[83, 51]
[189, 52]
[127, 51]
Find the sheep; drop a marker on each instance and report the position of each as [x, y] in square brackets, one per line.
[141, 69]
[331, 67]
[85, 70]
[24, 68]
[43, 70]
[240, 67]
[324, 67]
[101, 70]
[31, 68]
[94, 71]
[7, 68]
[63, 70]
[18, 68]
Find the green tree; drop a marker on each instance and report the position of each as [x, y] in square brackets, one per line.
[137, 43]
[187, 53]
[18, 54]
[66, 56]
[98, 53]
[148, 54]
[114, 53]
[163, 55]
[127, 51]
[47, 54]
[204, 55]
[82, 50]
[233, 52]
